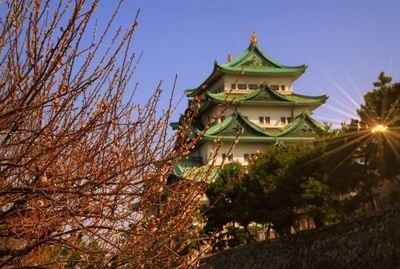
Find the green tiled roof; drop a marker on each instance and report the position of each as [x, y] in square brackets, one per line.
[306, 99]
[302, 126]
[259, 139]
[251, 62]
[265, 95]
[201, 174]
[236, 126]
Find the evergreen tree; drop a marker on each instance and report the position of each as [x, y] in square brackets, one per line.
[382, 104]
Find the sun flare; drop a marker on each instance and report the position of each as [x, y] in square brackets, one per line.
[380, 128]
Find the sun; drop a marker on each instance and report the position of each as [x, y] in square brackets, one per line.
[380, 128]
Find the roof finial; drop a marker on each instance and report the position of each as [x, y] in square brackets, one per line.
[230, 58]
[253, 40]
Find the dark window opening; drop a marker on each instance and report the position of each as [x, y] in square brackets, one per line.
[252, 86]
[242, 86]
[275, 87]
[229, 157]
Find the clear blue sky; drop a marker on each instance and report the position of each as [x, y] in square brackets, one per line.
[346, 43]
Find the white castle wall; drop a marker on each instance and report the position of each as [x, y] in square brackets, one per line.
[254, 112]
[238, 151]
[228, 80]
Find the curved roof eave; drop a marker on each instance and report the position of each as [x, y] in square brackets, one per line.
[262, 71]
[213, 76]
[219, 127]
[256, 138]
[282, 99]
[295, 124]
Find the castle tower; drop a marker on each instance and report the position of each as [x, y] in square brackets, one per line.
[250, 100]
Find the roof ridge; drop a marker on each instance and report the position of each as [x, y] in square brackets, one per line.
[265, 65]
[298, 120]
[228, 121]
[310, 96]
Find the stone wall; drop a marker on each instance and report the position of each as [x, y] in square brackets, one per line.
[371, 242]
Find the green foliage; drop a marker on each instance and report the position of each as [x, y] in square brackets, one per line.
[226, 206]
[223, 197]
[382, 104]
[327, 180]
[286, 184]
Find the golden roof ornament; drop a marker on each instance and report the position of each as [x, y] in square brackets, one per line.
[230, 58]
[253, 40]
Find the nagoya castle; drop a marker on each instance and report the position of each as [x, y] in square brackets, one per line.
[249, 102]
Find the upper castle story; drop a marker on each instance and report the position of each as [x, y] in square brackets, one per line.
[248, 72]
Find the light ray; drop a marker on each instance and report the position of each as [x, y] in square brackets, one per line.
[352, 116]
[381, 155]
[341, 104]
[391, 133]
[391, 141]
[354, 87]
[326, 154]
[350, 155]
[392, 110]
[349, 135]
[342, 90]
[328, 119]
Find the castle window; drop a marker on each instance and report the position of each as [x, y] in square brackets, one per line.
[233, 86]
[246, 157]
[252, 86]
[228, 157]
[289, 119]
[261, 119]
[242, 86]
[267, 120]
[283, 120]
[275, 87]
[282, 87]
